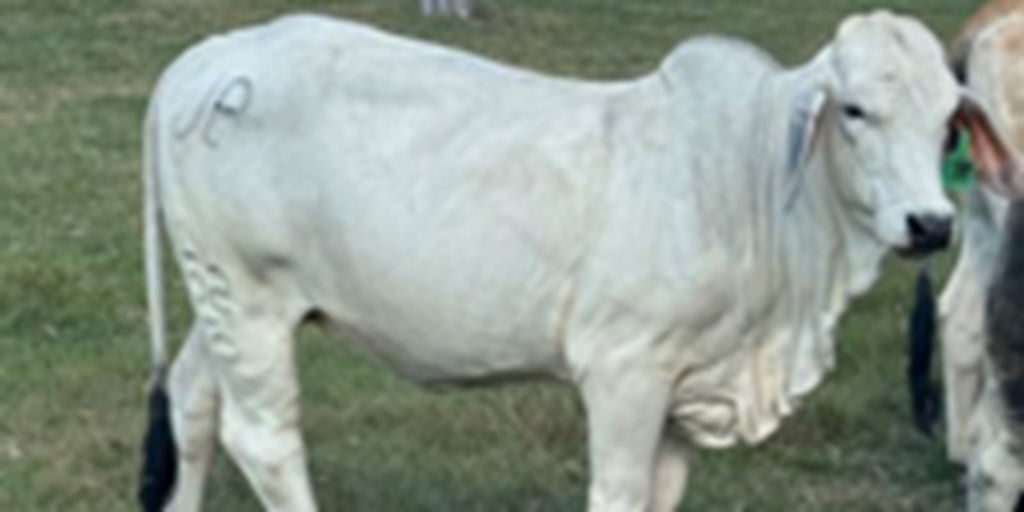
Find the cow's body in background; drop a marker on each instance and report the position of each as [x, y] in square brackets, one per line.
[979, 306]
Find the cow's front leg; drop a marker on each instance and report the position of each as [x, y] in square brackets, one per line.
[963, 341]
[671, 471]
[626, 399]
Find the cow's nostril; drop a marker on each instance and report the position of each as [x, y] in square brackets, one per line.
[929, 232]
[916, 227]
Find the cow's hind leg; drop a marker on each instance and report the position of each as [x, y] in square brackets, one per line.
[251, 351]
[193, 394]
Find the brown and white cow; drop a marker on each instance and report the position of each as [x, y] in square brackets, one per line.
[982, 305]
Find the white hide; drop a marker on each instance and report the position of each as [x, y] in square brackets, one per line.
[679, 245]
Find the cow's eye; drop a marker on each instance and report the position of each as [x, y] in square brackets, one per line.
[852, 111]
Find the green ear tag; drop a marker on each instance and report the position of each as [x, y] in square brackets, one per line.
[957, 167]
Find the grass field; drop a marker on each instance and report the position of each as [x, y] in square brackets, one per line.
[74, 77]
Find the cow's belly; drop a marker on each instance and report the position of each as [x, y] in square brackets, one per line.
[454, 326]
[436, 355]
[464, 291]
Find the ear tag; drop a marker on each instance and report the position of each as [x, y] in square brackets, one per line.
[958, 170]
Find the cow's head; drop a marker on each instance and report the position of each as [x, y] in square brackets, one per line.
[878, 106]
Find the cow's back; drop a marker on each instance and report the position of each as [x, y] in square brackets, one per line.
[389, 182]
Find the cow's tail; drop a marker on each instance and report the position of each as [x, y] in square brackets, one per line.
[160, 459]
[923, 396]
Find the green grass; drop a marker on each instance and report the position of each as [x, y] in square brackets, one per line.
[74, 77]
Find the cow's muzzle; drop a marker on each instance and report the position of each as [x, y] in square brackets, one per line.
[928, 233]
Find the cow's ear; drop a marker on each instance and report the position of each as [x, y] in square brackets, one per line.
[806, 111]
[997, 167]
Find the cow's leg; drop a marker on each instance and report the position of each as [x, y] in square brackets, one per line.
[963, 385]
[194, 398]
[671, 471]
[250, 327]
[627, 401]
[963, 371]
[995, 473]
[464, 8]
[261, 416]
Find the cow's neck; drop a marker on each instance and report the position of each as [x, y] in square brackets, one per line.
[818, 227]
[818, 234]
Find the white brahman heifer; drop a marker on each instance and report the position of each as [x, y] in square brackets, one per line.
[678, 247]
[982, 306]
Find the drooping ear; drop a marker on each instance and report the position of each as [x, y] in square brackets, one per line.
[805, 116]
[997, 167]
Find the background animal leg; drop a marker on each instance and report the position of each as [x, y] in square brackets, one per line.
[995, 475]
[963, 386]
